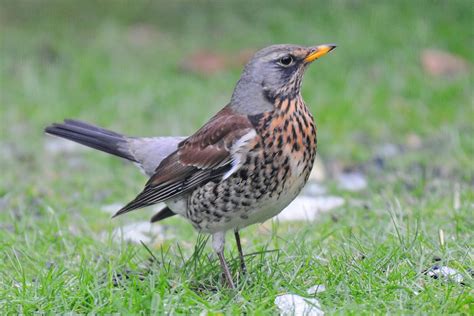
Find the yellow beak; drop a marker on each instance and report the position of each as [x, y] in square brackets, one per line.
[319, 51]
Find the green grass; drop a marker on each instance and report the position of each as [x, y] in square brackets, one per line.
[74, 59]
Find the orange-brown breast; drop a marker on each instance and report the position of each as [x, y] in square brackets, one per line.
[289, 134]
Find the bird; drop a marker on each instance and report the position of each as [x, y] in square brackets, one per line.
[242, 167]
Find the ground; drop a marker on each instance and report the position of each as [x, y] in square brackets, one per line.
[159, 68]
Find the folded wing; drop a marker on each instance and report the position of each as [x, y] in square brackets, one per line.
[214, 152]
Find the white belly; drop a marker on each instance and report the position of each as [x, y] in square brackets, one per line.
[264, 209]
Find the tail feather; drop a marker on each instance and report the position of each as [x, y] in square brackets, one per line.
[92, 136]
[162, 214]
[91, 127]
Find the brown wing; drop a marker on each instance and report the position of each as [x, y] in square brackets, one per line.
[211, 153]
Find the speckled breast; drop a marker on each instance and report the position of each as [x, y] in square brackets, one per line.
[274, 172]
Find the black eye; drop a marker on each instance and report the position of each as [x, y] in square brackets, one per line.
[286, 60]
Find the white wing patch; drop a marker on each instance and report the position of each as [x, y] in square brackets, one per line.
[239, 152]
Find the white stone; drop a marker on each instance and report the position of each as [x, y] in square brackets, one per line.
[316, 289]
[313, 189]
[387, 150]
[318, 173]
[292, 304]
[352, 181]
[445, 272]
[307, 208]
[139, 232]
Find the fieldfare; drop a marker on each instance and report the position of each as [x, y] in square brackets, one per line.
[244, 166]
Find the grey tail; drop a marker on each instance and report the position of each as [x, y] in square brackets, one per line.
[161, 215]
[92, 136]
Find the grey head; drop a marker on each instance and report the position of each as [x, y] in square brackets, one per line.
[274, 71]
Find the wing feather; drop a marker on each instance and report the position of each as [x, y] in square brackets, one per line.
[215, 151]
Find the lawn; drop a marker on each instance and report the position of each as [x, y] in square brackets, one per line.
[141, 69]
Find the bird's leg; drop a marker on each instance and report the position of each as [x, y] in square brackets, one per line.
[225, 270]
[243, 268]
[218, 241]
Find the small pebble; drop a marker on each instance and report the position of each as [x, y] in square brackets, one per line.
[313, 189]
[444, 272]
[441, 63]
[387, 150]
[292, 304]
[307, 208]
[352, 181]
[413, 141]
[139, 232]
[319, 171]
[316, 289]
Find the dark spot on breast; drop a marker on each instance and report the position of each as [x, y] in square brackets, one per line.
[300, 126]
[280, 141]
[243, 174]
[296, 146]
[293, 131]
[305, 121]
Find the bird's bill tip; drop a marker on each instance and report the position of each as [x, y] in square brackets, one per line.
[319, 51]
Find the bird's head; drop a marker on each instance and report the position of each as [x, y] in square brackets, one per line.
[274, 71]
